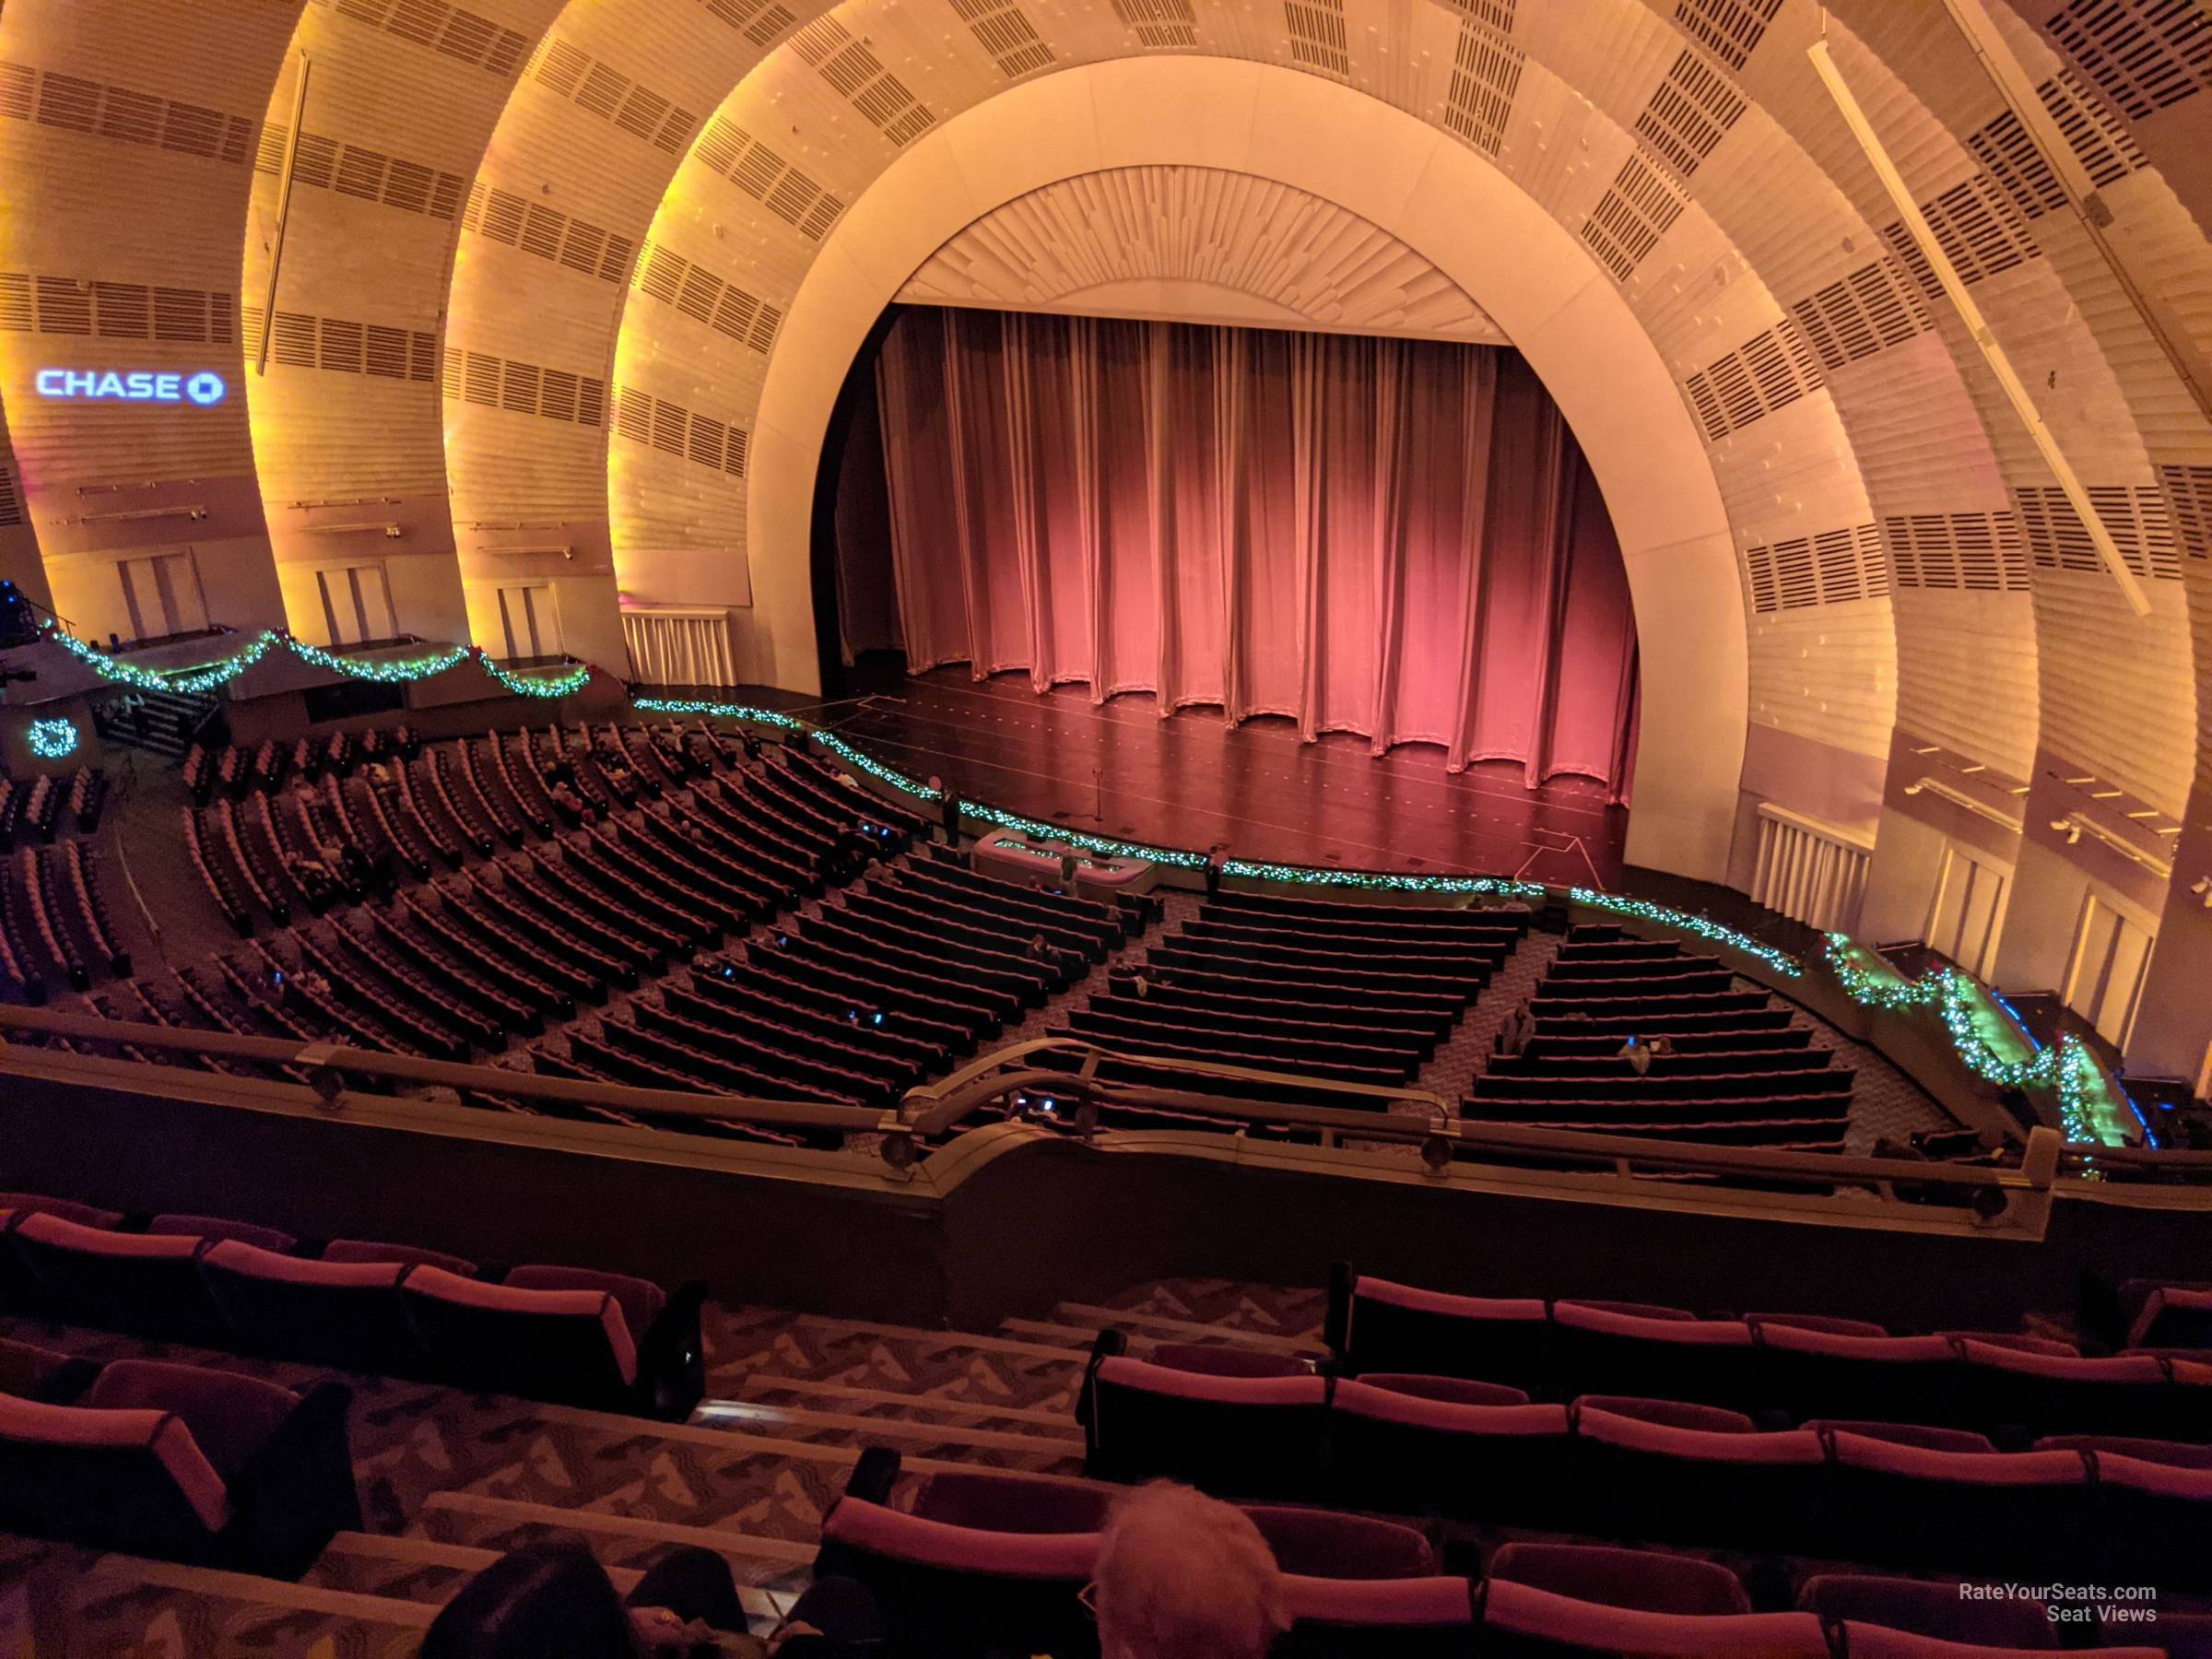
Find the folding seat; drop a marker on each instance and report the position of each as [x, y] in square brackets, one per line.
[1454, 1390]
[83, 1215]
[215, 1228]
[998, 1500]
[1597, 1350]
[1934, 1438]
[1920, 1607]
[1234, 1437]
[1378, 1324]
[1328, 1543]
[565, 1334]
[148, 1283]
[1814, 1373]
[2012, 1512]
[1820, 1322]
[1520, 1619]
[182, 1464]
[1408, 1453]
[1377, 1619]
[1643, 1477]
[2173, 1317]
[950, 1591]
[1224, 1359]
[2060, 1394]
[31, 1372]
[345, 1314]
[2152, 1510]
[1646, 1580]
[1879, 1642]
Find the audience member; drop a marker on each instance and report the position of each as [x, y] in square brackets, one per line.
[1520, 1025]
[1184, 1576]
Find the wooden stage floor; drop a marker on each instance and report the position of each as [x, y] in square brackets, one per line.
[1190, 781]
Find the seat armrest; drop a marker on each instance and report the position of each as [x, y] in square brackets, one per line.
[671, 1365]
[297, 1490]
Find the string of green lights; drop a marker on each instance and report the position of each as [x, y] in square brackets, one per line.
[193, 682]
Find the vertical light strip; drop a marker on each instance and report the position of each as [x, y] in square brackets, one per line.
[284, 213]
[2000, 365]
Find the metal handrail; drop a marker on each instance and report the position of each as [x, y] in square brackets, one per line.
[334, 1060]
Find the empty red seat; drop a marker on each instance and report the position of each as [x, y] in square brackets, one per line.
[1932, 1436]
[1520, 1619]
[347, 1314]
[1922, 1608]
[2008, 1513]
[1645, 1579]
[998, 1500]
[214, 1226]
[1814, 1373]
[1598, 1350]
[2056, 1394]
[1376, 1619]
[2173, 1316]
[1237, 1437]
[84, 1215]
[1637, 1478]
[1820, 1322]
[1221, 1359]
[2151, 1518]
[33, 1372]
[148, 1283]
[1412, 1453]
[1378, 1324]
[1328, 1543]
[183, 1464]
[363, 1249]
[1675, 1414]
[1456, 1391]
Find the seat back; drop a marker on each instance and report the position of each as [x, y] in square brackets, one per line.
[547, 1345]
[2061, 1393]
[2011, 1513]
[1644, 1579]
[2173, 1316]
[1328, 1543]
[1220, 1359]
[132, 1480]
[2149, 1523]
[146, 1284]
[1234, 1437]
[997, 1501]
[1410, 1453]
[1637, 1478]
[1520, 1619]
[1388, 1326]
[1599, 1350]
[1427, 1618]
[345, 1314]
[1923, 1608]
[1814, 1373]
[951, 1590]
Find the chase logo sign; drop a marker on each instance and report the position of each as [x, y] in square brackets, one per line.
[90, 385]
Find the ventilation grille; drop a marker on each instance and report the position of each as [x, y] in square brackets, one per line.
[2145, 55]
[1976, 552]
[1158, 22]
[460, 35]
[85, 106]
[612, 96]
[1317, 36]
[757, 169]
[11, 499]
[2189, 498]
[850, 65]
[681, 432]
[2136, 519]
[513, 221]
[1867, 312]
[2100, 143]
[114, 310]
[758, 23]
[1001, 28]
[523, 388]
[369, 175]
[2010, 157]
[705, 297]
[1730, 29]
[1485, 74]
[340, 346]
[1496, 16]
[1978, 229]
[1767, 372]
[1635, 212]
[1828, 568]
[1690, 113]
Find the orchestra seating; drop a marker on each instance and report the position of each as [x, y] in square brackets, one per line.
[1736, 1070]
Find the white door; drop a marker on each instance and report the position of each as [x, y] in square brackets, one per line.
[1967, 911]
[356, 604]
[161, 594]
[527, 615]
[2105, 978]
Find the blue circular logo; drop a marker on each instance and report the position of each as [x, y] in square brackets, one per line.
[205, 389]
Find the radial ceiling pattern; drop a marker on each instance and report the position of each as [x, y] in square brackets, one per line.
[523, 301]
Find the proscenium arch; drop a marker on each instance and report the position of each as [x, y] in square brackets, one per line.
[1406, 177]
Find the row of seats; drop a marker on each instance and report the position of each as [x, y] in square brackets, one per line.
[32, 808]
[1659, 1470]
[567, 1334]
[1797, 1366]
[1763, 1085]
[978, 1561]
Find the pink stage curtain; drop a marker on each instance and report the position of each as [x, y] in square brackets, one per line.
[1398, 538]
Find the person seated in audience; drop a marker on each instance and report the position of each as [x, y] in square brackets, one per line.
[570, 804]
[1183, 1576]
[380, 775]
[1638, 1054]
[1039, 951]
[1520, 1025]
[1142, 986]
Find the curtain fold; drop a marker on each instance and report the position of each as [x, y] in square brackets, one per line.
[1396, 538]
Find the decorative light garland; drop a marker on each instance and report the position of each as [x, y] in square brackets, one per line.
[2067, 1068]
[662, 705]
[1705, 928]
[193, 682]
[1381, 881]
[873, 767]
[1179, 858]
[52, 739]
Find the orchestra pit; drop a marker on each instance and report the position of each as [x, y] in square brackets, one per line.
[1164, 830]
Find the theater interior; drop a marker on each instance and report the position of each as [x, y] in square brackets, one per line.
[787, 788]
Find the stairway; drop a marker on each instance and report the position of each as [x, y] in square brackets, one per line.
[163, 723]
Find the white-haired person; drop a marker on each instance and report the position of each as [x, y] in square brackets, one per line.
[1184, 1576]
